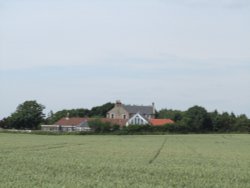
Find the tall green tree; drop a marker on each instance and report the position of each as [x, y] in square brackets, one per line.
[197, 119]
[242, 124]
[28, 115]
[224, 122]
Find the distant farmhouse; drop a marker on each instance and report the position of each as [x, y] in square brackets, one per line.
[121, 111]
[133, 114]
[122, 115]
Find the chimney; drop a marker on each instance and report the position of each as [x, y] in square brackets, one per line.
[153, 105]
[67, 117]
[118, 103]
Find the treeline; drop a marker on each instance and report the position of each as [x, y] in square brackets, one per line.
[29, 115]
[197, 120]
[95, 112]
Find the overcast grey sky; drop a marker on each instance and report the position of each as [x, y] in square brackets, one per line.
[79, 54]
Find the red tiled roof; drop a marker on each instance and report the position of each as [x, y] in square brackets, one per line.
[160, 122]
[71, 121]
[121, 122]
[74, 121]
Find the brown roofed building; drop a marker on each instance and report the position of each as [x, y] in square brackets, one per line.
[160, 122]
[120, 122]
[74, 121]
[68, 125]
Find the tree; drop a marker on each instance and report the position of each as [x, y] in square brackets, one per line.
[224, 122]
[5, 123]
[28, 115]
[101, 111]
[242, 124]
[175, 115]
[97, 112]
[197, 119]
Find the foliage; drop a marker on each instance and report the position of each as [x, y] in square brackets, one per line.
[242, 124]
[115, 127]
[195, 120]
[178, 127]
[5, 123]
[101, 111]
[137, 128]
[96, 112]
[98, 126]
[54, 117]
[175, 115]
[28, 115]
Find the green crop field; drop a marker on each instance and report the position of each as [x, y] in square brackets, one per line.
[28, 161]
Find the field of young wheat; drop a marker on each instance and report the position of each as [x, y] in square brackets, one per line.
[28, 161]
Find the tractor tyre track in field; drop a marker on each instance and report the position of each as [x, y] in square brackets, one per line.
[158, 151]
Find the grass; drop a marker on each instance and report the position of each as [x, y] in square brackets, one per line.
[30, 161]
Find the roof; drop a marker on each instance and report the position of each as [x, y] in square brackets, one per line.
[133, 109]
[74, 121]
[121, 122]
[160, 122]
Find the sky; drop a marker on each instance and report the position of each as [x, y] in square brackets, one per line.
[82, 53]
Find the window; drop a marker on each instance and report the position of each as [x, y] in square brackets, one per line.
[134, 121]
[124, 116]
[112, 116]
[137, 120]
